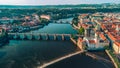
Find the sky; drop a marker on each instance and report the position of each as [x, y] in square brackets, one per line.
[54, 2]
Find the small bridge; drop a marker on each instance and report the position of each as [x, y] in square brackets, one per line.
[39, 36]
[61, 22]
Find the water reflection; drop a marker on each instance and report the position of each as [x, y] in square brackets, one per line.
[22, 54]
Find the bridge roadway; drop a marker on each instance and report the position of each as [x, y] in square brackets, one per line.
[60, 59]
[39, 36]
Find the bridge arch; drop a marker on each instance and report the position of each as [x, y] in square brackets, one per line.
[39, 36]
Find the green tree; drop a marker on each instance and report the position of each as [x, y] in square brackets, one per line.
[43, 20]
[81, 31]
[3, 34]
[75, 20]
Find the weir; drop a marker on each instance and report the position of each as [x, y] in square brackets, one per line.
[60, 59]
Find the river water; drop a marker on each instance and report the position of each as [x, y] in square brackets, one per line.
[22, 54]
[58, 29]
[31, 54]
[81, 61]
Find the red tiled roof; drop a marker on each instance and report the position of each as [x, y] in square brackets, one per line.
[102, 36]
[85, 26]
[117, 42]
[80, 39]
[92, 41]
[84, 14]
[114, 36]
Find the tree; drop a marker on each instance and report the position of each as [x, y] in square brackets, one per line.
[43, 20]
[81, 31]
[75, 20]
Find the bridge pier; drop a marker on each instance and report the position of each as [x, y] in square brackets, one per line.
[31, 37]
[63, 38]
[38, 36]
[25, 36]
[10, 36]
[55, 38]
[47, 36]
[16, 36]
[22, 37]
[70, 36]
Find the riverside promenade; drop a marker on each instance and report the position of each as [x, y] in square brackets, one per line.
[115, 64]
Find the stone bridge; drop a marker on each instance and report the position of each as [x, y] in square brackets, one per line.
[39, 36]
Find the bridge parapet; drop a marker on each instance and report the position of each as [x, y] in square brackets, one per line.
[38, 36]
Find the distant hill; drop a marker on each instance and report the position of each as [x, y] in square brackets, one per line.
[56, 6]
[45, 6]
[18, 7]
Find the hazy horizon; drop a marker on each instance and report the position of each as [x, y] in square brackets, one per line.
[55, 2]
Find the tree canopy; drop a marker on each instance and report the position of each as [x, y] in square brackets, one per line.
[75, 20]
[81, 31]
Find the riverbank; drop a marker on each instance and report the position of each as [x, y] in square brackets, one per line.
[74, 41]
[75, 27]
[101, 57]
[31, 28]
[113, 58]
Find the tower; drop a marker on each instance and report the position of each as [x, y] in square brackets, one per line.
[117, 27]
[97, 40]
[97, 27]
[87, 32]
[81, 20]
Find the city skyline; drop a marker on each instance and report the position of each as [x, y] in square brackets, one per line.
[55, 2]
